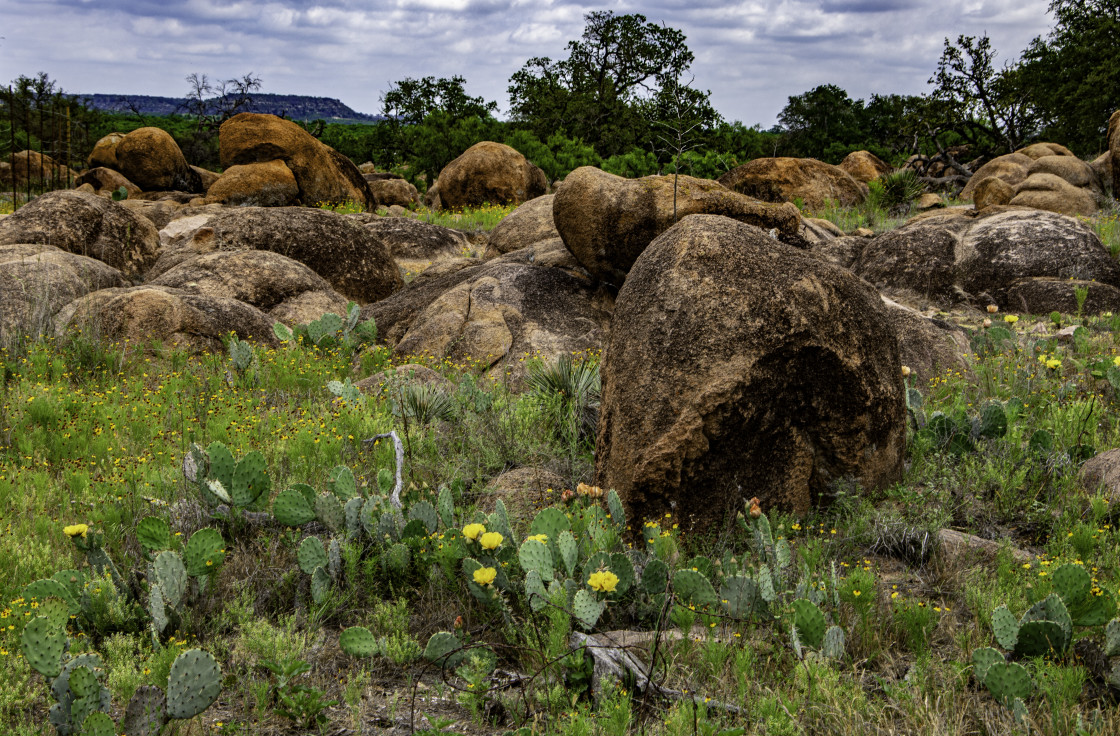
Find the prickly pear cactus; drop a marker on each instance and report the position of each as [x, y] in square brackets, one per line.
[222, 465]
[358, 641]
[334, 559]
[693, 588]
[397, 558]
[320, 584]
[833, 644]
[993, 420]
[41, 590]
[1006, 681]
[766, 584]
[426, 513]
[535, 591]
[170, 574]
[311, 555]
[146, 713]
[740, 596]
[251, 483]
[1038, 638]
[618, 512]
[1006, 627]
[1048, 610]
[157, 609]
[329, 511]
[291, 508]
[341, 483]
[445, 505]
[1112, 638]
[194, 684]
[98, 724]
[535, 556]
[655, 577]
[43, 643]
[810, 623]
[621, 566]
[982, 660]
[204, 552]
[587, 609]
[353, 513]
[1071, 582]
[444, 649]
[154, 534]
[550, 522]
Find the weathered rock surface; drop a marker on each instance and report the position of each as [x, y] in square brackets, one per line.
[87, 225]
[390, 381]
[1114, 151]
[1101, 474]
[152, 160]
[1010, 168]
[606, 221]
[530, 223]
[105, 181]
[1045, 295]
[759, 370]
[354, 261]
[953, 256]
[991, 191]
[394, 191]
[104, 152]
[38, 167]
[287, 290]
[264, 184]
[494, 313]
[928, 347]
[322, 174]
[416, 245]
[37, 280]
[142, 314]
[489, 172]
[785, 179]
[864, 166]
[524, 491]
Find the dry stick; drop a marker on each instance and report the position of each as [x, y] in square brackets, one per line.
[395, 497]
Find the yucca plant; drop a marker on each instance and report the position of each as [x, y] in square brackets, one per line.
[424, 404]
[575, 383]
[896, 190]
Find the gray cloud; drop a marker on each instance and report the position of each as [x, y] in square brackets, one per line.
[752, 54]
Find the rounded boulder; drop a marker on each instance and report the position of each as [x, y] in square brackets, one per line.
[784, 179]
[152, 160]
[492, 173]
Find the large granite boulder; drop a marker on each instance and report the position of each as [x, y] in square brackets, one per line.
[1011, 169]
[104, 152]
[415, 245]
[493, 315]
[323, 175]
[37, 280]
[738, 366]
[489, 172]
[354, 261]
[606, 221]
[106, 181]
[1114, 151]
[87, 225]
[785, 179]
[38, 168]
[530, 223]
[263, 184]
[391, 191]
[977, 258]
[143, 314]
[287, 290]
[864, 166]
[152, 160]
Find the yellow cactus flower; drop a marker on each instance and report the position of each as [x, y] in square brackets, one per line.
[603, 581]
[1010, 319]
[473, 531]
[490, 540]
[542, 538]
[485, 575]
[76, 530]
[1053, 363]
[1116, 361]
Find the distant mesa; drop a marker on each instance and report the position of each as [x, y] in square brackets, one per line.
[293, 107]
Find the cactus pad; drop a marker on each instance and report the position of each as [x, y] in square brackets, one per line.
[534, 556]
[353, 513]
[569, 551]
[329, 512]
[766, 584]
[41, 590]
[251, 483]
[740, 595]
[693, 588]
[99, 724]
[320, 584]
[222, 464]
[618, 512]
[444, 649]
[334, 559]
[357, 641]
[1072, 583]
[341, 483]
[993, 420]
[397, 558]
[42, 644]
[982, 659]
[624, 569]
[1052, 609]
[154, 534]
[194, 684]
[1005, 627]
[834, 643]
[810, 623]
[535, 591]
[550, 522]
[426, 513]
[311, 555]
[146, 713]
[587, 608]
[204, 552]
[1037, 638]
[170, 574]
[1095, 609]
[291, 508]
[445, 505]
[655, 578]
[1112, 638]
[157, 609]
[1006, 681]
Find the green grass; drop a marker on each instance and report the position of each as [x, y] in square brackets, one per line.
[94, 433]
[471, 219]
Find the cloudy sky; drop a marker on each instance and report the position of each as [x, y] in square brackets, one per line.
[752, 54]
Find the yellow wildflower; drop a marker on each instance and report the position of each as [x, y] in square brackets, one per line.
[542, 538]
[473, 531]
[485, 575]
[490, 540]
[76, 530]
[1010, 319]
[603, 581]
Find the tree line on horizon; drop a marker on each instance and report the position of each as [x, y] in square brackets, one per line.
[624, 99]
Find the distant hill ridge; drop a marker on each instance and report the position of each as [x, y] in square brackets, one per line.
[294, 107]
